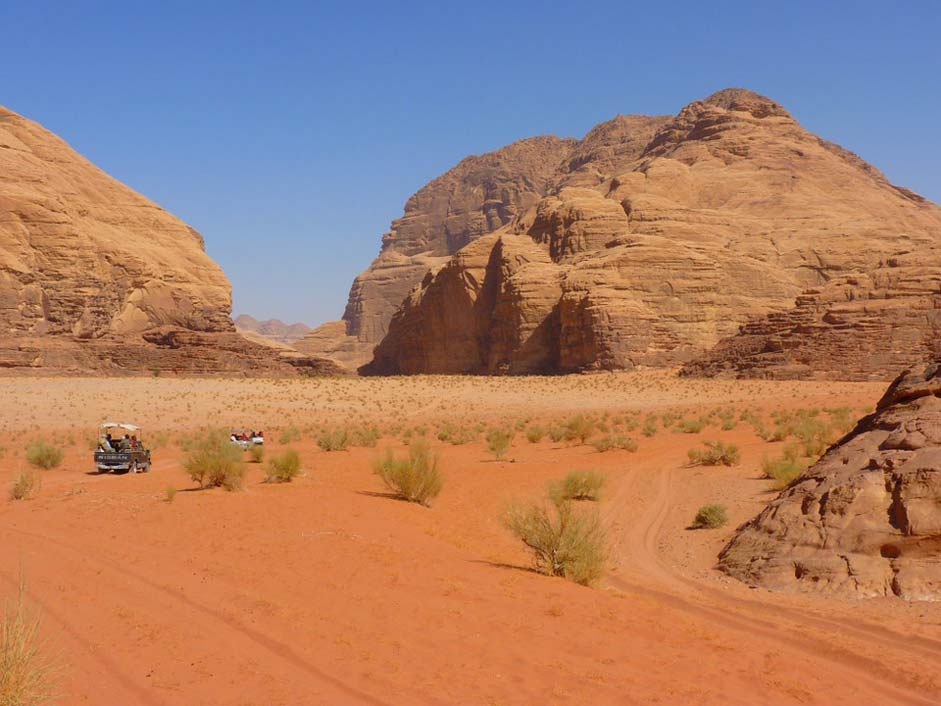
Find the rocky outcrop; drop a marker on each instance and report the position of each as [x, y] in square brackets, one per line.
[273, 329]
[865, 520]
[96, 278]
[727, 225]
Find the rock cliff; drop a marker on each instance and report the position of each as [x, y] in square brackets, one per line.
[866, 519]
[658, 239]
[95, 277]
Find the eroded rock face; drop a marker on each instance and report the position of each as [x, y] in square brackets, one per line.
[729, 224]
[96, 278]
[865, 520]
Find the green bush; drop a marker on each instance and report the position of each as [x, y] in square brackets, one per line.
[578, 485]
[691, 426]
[565, 541]
[415, 478]
[214, 461]
[499, 442]
[43, 455]
[28, 672]
[366, 437]
[256, 453]
[455, 435]
[284, 467]
[169, 493]
[333, 440]
[614, 441]
[26, 484]
[556, 433]
[650, 427]
[783, 470]
[710, 517]
[535, 434]
[579, 428]
[716, 453]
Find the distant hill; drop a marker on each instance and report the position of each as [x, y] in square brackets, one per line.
[274, 329]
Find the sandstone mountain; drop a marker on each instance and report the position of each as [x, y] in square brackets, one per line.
[650, 242]
[95, 277]
[866, 519]
[273, 329]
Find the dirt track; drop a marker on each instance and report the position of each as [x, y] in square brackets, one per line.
[325, 591]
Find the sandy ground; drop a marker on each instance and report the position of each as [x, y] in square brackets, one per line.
[327, 591]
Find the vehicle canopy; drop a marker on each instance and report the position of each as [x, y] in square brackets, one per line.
[110, 427]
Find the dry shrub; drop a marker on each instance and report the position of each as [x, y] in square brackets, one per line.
[499, 442]
[614, 441]
[716, 453]
[334, 440]
[215, 461]
[455, 435]
[579, 485]
[691, 426]
[565, 541]
[415, 478]
[290, 435]
[26, 484]
[579, 428]
[710, 517]
[28, 674]
[284, 467]
[256, 453]
[43, 455]
[783, 471]
[535, 434]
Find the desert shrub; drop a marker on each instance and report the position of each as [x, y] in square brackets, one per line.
[691, 426]
[716, 453]
[556, 433]
[26, 484]
[710, 517]
[499, 442]
[415, 478]
[565, 540]
[535, 434]
[455, 435]
[578, 485]
[158, 440]
[284, 467]
[43, 455]
[614, 441]
[783, 470]
[668, 419]
[256, 453]
[28, 673]
[579, 428]
[169, 493]
[650, 427]
[214, 461]
[333, 440]
[290, 435]
[367, 437]
[842, 419]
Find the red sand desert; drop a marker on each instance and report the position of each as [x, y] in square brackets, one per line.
[327, 591]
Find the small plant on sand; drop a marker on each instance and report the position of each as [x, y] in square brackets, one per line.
[290, 435]
[613, 442]
[556, 433]
[169, 493]
[691, 426]
[535, 433]
[565, 540]
[214, 461]
[455, 435]
[650, 427]
[783, 471]
[415, 478]
[716, 453]
[579, 428]
[25, 484]
[256, 453]
[365, 437]
[710, 517]
[333, 440]
[499, 442]
[284, 467]
[43, 455]
[578, 485]
[28, 673]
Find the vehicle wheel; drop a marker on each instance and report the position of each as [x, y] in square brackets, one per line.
[146, 468]
[132, 468]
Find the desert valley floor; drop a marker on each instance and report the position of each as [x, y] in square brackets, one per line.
[328, 591]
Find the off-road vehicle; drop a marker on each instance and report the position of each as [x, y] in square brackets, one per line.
[120, 448]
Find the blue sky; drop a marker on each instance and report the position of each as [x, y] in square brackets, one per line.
[290, 133]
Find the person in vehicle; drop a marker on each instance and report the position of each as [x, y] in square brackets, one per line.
[104, 444]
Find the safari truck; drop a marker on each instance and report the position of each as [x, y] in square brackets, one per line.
[121, 448]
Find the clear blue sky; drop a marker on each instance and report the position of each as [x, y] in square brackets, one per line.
[291, 133]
